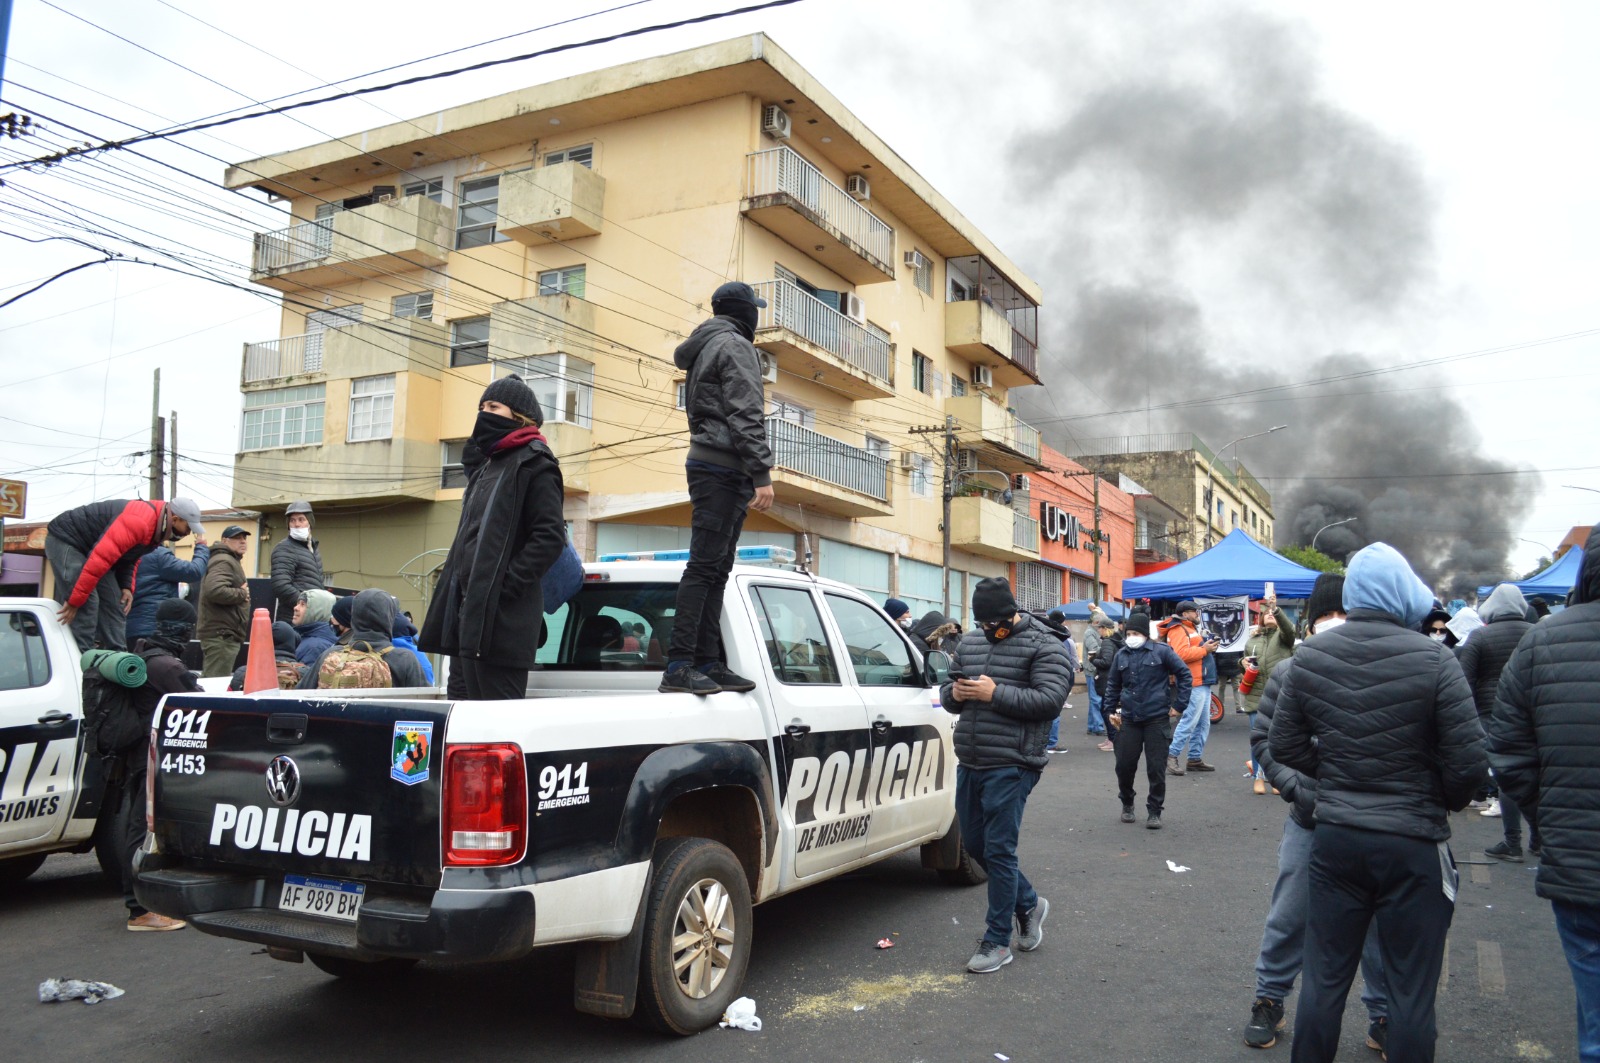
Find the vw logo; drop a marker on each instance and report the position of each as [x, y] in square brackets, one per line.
[283, 781]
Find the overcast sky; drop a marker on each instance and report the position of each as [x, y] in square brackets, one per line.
[1496, 106]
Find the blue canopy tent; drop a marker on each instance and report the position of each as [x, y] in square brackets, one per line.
[1080, 610]
[1236, 565]
[1554, 582]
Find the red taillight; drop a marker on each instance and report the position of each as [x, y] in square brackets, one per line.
[485, 805]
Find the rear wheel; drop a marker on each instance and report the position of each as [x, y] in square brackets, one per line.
[361, 970]
[1216, 710]
[966, 872]
[697, 935]
[18, 868]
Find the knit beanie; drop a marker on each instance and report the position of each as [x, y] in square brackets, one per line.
[515, 393]
[1327, 596]
[175, 619]
[992, 600]
[896, 608]
[1139, 624]
[344, 611]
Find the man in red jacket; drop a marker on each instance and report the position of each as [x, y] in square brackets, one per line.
[89, 543]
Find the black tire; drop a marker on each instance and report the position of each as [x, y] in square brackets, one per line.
[361, 970]
[967, 872]
[16, 869]
[1218, 711]
[686, 875]
[108, 846]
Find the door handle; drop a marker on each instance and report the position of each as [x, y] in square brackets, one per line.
[287, 728]
[796, 729]
[882, 724]
[55, 718]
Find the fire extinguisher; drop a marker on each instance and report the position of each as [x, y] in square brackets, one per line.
[1251, 674]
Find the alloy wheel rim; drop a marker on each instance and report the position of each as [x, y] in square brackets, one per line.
[703, 938]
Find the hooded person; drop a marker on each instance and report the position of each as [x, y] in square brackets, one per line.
[1544, 743]
[341, 616]
[312, 616]
[371, 622]
[285, 642]
[1147, 684]
[1483, 657]
[404, 635]
[1436, 625]
[1382, 718]
[937, 632]
[296, 561]
[488, 611]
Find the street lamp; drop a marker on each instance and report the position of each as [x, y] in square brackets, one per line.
[1211, 484]
[1534, 542]
[1325, 527]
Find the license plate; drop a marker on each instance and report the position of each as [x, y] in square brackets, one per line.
[327, 897]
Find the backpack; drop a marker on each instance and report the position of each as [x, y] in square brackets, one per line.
[289, 673]
[112, 723]
[348, 667]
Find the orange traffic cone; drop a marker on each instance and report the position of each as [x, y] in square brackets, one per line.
[260, 665]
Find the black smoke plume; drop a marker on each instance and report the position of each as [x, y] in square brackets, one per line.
[1197, 172]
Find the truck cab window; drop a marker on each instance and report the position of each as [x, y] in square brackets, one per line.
[797, 645]
[610, 627]
[878, 654]
[23, 661]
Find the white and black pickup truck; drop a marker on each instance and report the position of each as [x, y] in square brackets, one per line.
[51, 789]
[376, 828]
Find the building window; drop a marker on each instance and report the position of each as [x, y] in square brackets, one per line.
[416, 304]
[1082, 587]
[433, 189]
[958, 386]
[922, 372]
[683, 395]
[878, 448]
[372, 408]
[1038, 587]
[452, 473]
[790, 410]
[283, 417]
[583, 155]
[923, 277]
[921, 475]
[569, 281]
[564, 385]
[477, 213]
[866, 570]
[469, 341]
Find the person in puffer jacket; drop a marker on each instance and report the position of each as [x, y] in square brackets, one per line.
[1544, 743]
[158, 575]
[1009, 681]
[1147, 684]
[1483, 657]
[1382, 717]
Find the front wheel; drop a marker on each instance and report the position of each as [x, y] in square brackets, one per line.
[967, 871]
[697, 935]
[17, 868]
[361, 970]
[1216, 710]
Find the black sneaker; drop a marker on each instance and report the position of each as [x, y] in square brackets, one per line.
[686, 679]
[1505, 851]
[1127, 813]
[989, 957]
[1266, 1019]
[725, 678]
[1378, 1036]
[1152, 821]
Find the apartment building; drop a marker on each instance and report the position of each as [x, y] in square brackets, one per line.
[572, 232]
[1214, 496]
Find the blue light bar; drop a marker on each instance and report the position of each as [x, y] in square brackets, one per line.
[745, 555]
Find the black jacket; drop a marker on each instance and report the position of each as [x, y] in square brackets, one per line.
[165, 673]
[1382, 717]
[1104, 655]
[1544, 738]
[1146, 683]
[1295, 787]
[1484, 655]
[1031, 677]
[724, 400]
[296, 567]
[371, 622]
[489, 605]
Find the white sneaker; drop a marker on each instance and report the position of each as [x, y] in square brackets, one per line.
[1476, 803]
[1493, 811]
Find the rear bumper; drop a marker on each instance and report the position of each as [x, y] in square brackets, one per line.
[454, 924]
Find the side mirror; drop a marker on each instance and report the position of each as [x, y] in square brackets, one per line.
[936, 668]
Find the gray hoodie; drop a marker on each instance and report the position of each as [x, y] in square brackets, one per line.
[371, 623]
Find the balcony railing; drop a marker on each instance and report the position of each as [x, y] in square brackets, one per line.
[275, 359]
[1021, 437]
[790, 307]
[782, 171]
[1025, 353]
[832, 461]
[294, 246]
[1025, 533]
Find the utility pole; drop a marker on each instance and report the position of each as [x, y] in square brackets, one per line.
[1094, 592]
[948, 431]
[157, 441]
[172, 447]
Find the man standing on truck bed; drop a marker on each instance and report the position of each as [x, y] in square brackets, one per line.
[730, 471]
[224, 604]
[296, 564]
[1008, 683]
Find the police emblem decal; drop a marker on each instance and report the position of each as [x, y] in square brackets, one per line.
[411, 752]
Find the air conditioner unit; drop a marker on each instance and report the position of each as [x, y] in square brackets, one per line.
[916, 260]
[982, 376]
[856, 187]
[966, 461]
[775, 121]
[1021, 483]
[910, 459]
[852, 306]
[769, 367]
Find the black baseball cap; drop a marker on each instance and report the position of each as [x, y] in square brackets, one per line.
[737, 292]
[233, 531]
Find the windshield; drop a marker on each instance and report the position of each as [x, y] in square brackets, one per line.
[611, 627]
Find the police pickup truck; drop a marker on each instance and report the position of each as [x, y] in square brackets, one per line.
[51, 788]
[372, 829]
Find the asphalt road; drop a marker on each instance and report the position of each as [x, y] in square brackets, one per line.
[1138, 963]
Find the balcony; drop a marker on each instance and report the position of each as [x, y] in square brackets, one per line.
[814, 341]
[791, 197]
[395, 234]
[551, 203]
[982, 335]
[826, 474]
[282, 359]
[981, 525]
[1003, 441]
[544, 324]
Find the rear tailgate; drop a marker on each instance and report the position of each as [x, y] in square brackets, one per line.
[335, 789]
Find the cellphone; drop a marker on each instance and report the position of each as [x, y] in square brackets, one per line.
[1271, 591]
[956, 673]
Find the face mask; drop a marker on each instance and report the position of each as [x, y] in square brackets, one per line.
[1437, 636]
[997, 634]
[905, 621]
[1326, 625]
[300, 534]
[489, 429]
[1135, 641]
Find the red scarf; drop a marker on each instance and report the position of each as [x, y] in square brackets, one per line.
[519, 436]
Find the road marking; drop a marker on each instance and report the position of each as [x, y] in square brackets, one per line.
[1491, 974]
[1480, 874]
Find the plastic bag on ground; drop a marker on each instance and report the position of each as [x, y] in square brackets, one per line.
[54, 989]
[742, 1013]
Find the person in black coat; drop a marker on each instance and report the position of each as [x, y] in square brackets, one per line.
[1145, 685]
[489, 607]
[1544, 743]
[1381, 716]
[1483, 657]
[296, 561]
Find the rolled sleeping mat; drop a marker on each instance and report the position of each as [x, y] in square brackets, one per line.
[124, 669]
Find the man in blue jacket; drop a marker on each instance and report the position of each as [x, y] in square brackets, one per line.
[159, 573]
[1147, 684]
